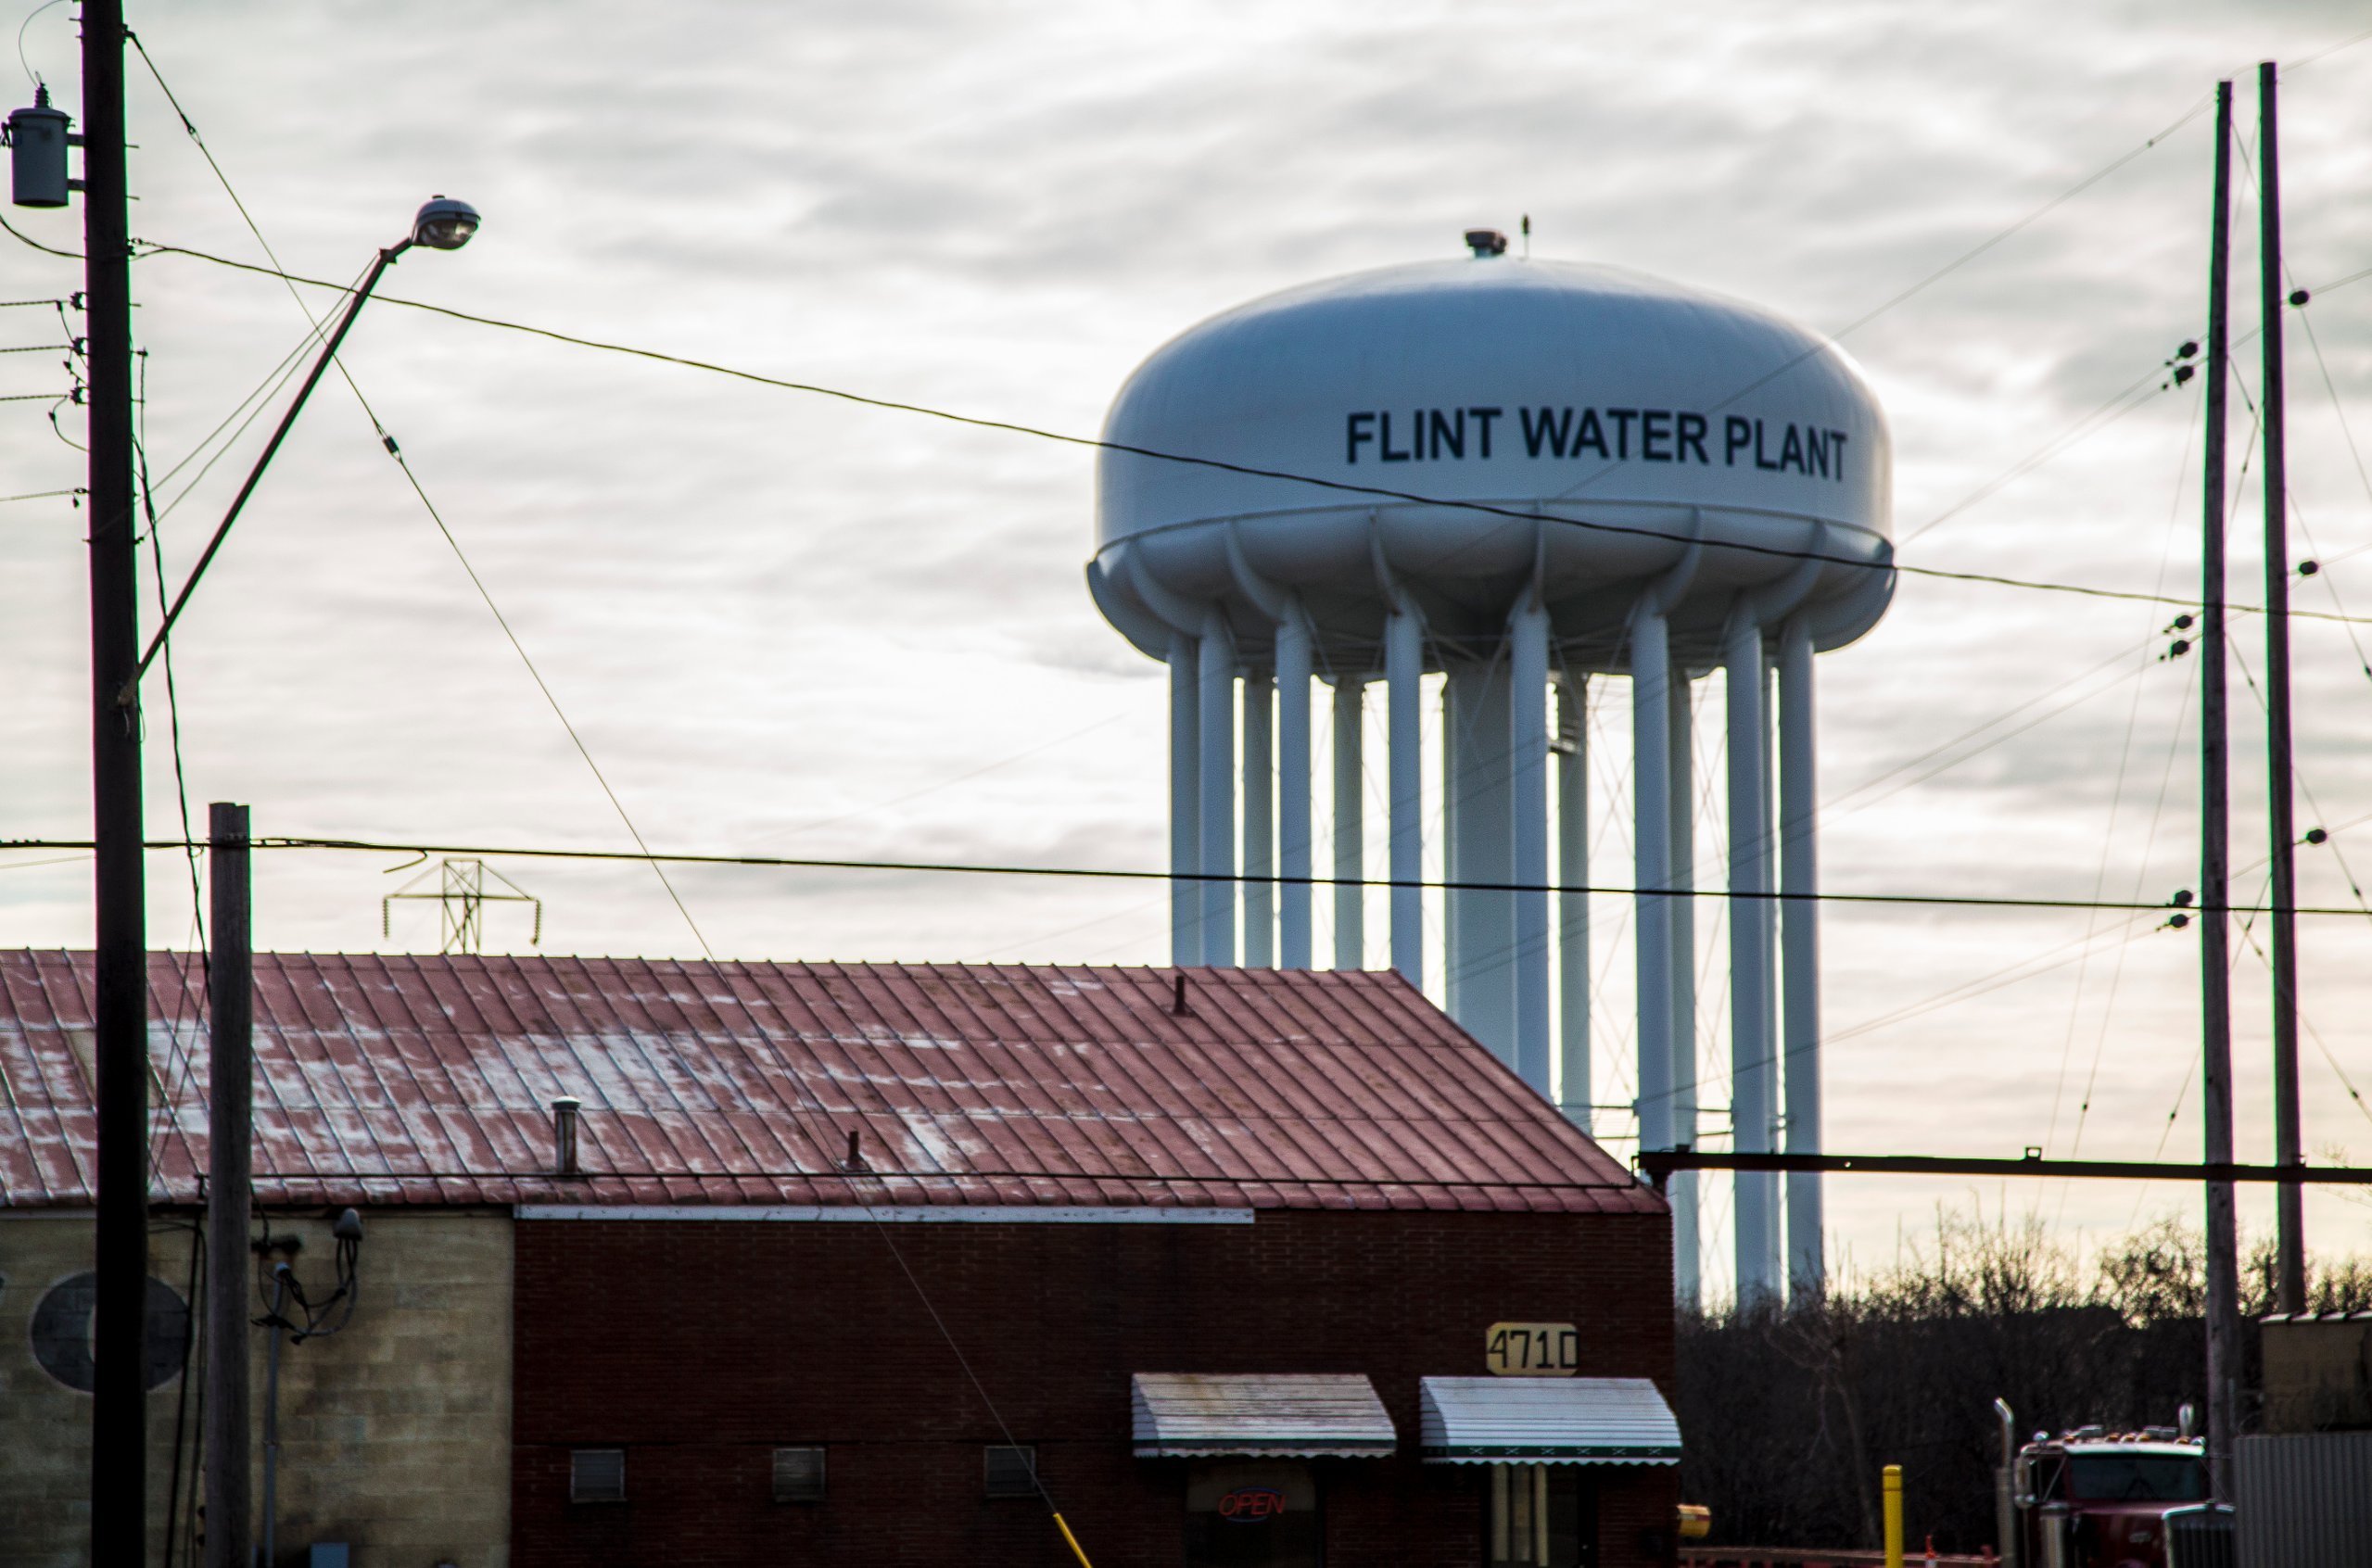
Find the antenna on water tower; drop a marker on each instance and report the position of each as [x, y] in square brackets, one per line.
[463, 894]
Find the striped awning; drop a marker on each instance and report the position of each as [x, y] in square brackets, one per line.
[1194, 1416]
[1547, 1420]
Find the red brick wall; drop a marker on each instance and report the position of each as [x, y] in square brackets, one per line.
[701, 1346]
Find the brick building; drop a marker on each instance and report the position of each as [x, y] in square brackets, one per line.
[885, 1264]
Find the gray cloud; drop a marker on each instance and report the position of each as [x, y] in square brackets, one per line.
[766, 611]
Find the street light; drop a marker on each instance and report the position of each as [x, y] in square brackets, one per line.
[443, 223]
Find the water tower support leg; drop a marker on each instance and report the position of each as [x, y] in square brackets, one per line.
[1651, 718]
[1260, 820]
[1349, 823]
[1403, 667]
[1293, 791]
[1217, 701]
[1800, 956]
[1528, 701]
[1573, 909]
[1456, 955]
[1750, 1034]
[1687, 1242]
[1185, 802]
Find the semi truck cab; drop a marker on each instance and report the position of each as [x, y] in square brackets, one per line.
[2096, 1499]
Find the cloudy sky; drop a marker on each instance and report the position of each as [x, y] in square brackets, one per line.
[785, 624]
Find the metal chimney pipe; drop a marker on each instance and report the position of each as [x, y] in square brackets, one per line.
[563, 1136]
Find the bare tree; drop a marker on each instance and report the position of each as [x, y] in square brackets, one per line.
[1789, 1413]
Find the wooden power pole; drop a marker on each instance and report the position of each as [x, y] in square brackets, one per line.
[2290, 1244]
[118, 1409]
[230, 1014]
[2215, 813]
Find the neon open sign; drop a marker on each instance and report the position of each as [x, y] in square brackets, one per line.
[1252, 1505]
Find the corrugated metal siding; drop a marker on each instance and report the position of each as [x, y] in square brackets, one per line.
[1187, 1415]
[1547, 1420]
[2303, 1501]
[428, 1080]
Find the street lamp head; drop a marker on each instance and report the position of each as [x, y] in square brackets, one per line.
[444, 224]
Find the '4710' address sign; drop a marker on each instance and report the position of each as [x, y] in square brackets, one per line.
[1534, 1350]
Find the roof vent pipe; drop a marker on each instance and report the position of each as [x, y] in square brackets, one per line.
[1486, 243]
[563, 1136]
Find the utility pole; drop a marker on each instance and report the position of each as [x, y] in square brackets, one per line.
[118, 1408]
[2290, 1245]
[230, 1011]
[2215, 812]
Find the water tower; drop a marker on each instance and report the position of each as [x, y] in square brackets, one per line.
[1519, 475]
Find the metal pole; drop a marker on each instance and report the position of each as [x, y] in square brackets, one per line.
[1479, 934]
[1260, 819]
[1657, 1164]
[1528, 739]
[1455, 935]
[1799, 935]
[119, 1410]
[1687, 1215]
[1573, 909]
[2290, 1244]
[2215, 957]
[1403, 667]
[1293, 791]
[1349, 823]
[1185, 802]
[1752, 1114]
[1651, 718]
[1216, 666]
[279, 1331]
[230, 1007]
[271, 449]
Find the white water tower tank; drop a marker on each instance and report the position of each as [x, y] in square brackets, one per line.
[1519, 474]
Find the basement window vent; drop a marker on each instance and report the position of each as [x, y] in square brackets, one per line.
[799, 1474]
[1012, 1472]
[597, 1475]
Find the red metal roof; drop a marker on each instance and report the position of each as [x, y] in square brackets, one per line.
[429, 1080]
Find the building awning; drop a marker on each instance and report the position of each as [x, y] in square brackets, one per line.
[1547, 1420]
[1194, 1415]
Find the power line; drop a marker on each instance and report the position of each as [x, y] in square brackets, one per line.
[790, 863]
[174, 1085]
[317, 326]
[28, 239]
[655, 862]
[1376, 492]
[388, 441]
[2108, 413]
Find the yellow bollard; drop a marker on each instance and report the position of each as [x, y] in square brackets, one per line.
[1893, 1505]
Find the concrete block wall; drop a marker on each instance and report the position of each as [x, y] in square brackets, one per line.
[395, 1434]
[45, 1425]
